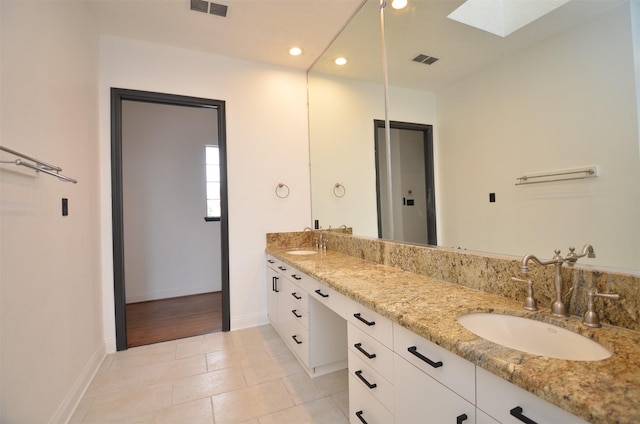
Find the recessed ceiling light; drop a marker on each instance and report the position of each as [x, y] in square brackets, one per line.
[295, 51]
[340, 61]
[399, 4]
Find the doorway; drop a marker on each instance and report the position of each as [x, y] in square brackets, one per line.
[176, 240]
[413, 218]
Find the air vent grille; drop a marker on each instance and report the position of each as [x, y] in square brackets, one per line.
[211, 8]
[426, 59]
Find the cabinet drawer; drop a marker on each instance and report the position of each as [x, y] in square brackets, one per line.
[371, 351]
[420, 398]
[364, 408]
[325, 295]
[498, 398]
[296, 336]
[371, 381]
[451, 370]
[372, 323]
[293, 311]
[273, 263]
[295, 294]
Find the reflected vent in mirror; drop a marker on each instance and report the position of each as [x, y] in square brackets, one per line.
[427, 60]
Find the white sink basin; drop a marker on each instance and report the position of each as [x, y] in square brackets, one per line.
[301, 252]
[536, 337]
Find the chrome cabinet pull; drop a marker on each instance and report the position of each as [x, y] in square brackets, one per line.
[295, 294]
[274, 284]
[296, 277]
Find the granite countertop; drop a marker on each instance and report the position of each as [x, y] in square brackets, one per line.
[606, 391]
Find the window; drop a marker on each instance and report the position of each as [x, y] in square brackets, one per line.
[212, 163]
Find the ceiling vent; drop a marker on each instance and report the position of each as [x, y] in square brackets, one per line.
[211, 8]
[427, 60]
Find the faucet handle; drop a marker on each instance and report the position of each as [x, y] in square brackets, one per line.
[530, 303]
[591, 318]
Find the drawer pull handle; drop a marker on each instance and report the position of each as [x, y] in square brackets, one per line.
[296, 277]
[295, 312]
[364, 352]
[359, 415]
[517, 412]
[295, 339]
[414, 351]
[461, 418]
[369, 323]
[321, 294]
[364, 380]
[298, 297]
[274, 284]
[281, 268]
[271, 261]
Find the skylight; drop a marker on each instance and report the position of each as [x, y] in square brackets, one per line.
[502, 17]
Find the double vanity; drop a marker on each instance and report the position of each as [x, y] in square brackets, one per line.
[411, 344]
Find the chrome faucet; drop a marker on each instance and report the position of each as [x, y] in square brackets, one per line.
[558, 308]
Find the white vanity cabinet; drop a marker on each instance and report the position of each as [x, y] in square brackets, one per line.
[395, 376]
[432, 384]
[314, 333]
[509, 404]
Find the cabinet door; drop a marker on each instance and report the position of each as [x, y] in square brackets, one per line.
[274, 285]
[421, 399]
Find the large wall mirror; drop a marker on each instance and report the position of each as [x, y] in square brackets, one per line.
[557, 95]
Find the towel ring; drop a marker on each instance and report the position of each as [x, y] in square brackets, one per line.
[339, 190]
[282, 190]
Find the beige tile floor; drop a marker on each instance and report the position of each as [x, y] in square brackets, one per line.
[245, 377]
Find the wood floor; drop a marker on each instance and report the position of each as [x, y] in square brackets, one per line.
[176, 318]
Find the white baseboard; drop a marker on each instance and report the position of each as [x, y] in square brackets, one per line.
[248, 321]
[71, 401]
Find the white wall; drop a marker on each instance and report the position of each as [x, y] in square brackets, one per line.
[341, 116]
[267, 143]
[50, 283]
[169, 249]
[566, 103]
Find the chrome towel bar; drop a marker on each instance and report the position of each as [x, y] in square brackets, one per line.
[37, 165]
[563, 175]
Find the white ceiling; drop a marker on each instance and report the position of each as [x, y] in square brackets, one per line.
[264, 30]
[423, 27]
[258, 30]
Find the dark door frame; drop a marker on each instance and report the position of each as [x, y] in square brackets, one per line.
[427, 133]
[117, 96]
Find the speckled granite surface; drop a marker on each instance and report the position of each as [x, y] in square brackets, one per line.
[366, 270]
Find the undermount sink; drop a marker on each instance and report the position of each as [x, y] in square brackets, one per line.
[535, 337]
[301, 252]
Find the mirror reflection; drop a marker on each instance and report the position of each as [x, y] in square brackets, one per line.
[557, 95]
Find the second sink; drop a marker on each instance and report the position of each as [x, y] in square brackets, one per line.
[535, 337]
